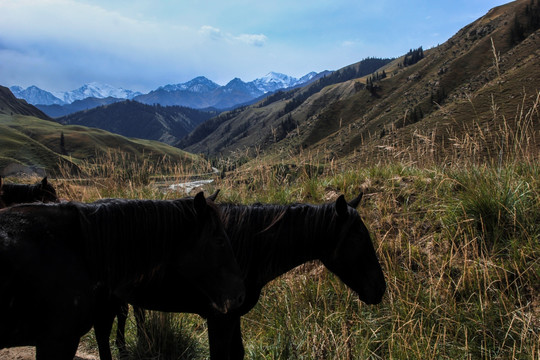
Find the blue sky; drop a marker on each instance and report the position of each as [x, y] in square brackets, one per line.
[59, 45]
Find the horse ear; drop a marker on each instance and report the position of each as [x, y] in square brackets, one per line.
[44, 181]
[214, 195]
[355, 202]
[341, 206]
[200, 203]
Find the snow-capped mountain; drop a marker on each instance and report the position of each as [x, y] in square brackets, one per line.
[197, 93]
[308, 77]
[274, 81]
[34, 95]
[270, 82]
[201, 92]
[200, 84]
[96, 90]
[37, 96]
[237, 84]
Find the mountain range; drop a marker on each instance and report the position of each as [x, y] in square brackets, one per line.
[197, 93]
[37, 96]
[171, 123]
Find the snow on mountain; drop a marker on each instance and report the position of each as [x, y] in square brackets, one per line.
[198, 92]
[199, 84]
[268, 83]
[274, 81]
[304, 79]
[238, 85]
[97, 90]
[37, 96]
[34, 95]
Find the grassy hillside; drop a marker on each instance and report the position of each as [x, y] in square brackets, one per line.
[478, 79]
[269, 120]
[31, 144]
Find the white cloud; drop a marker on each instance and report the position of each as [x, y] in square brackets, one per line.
[348, 43]
[253, 39]
[249, 39]
[211, 32]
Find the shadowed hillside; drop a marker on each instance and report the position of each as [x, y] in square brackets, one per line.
[167, 124]
[10, 105]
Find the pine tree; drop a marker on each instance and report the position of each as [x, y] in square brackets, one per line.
[62, 144]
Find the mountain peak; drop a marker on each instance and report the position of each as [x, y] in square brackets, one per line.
[236, 80]
[97, 90]
[35, 95]
[200, 84]
[276, 75]
[274, 81]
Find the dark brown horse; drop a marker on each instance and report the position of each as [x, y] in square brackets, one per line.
[268, 241]
[11, 194]
[61, 264]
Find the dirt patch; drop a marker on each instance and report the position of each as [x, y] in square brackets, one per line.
[29, 353]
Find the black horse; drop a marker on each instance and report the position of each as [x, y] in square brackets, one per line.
[60, 265]
[268, 241]
[21, 193]
[2, 205]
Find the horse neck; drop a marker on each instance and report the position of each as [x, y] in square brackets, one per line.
[17, 194]
[284, 238]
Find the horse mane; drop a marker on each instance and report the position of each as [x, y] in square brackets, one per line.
[127, 237]
[271, 225]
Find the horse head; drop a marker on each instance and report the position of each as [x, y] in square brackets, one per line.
[217, 273]
[46, 191]
[351, 255]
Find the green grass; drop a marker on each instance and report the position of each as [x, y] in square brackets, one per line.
[35, 143]
[460, 249]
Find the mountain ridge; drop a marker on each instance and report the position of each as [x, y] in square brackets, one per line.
[199, 92]
[130, 118]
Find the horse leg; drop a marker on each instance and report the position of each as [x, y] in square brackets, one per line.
[103, 323]
[225, 338]
[121, 319]
[102, 330]
[236, 349]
